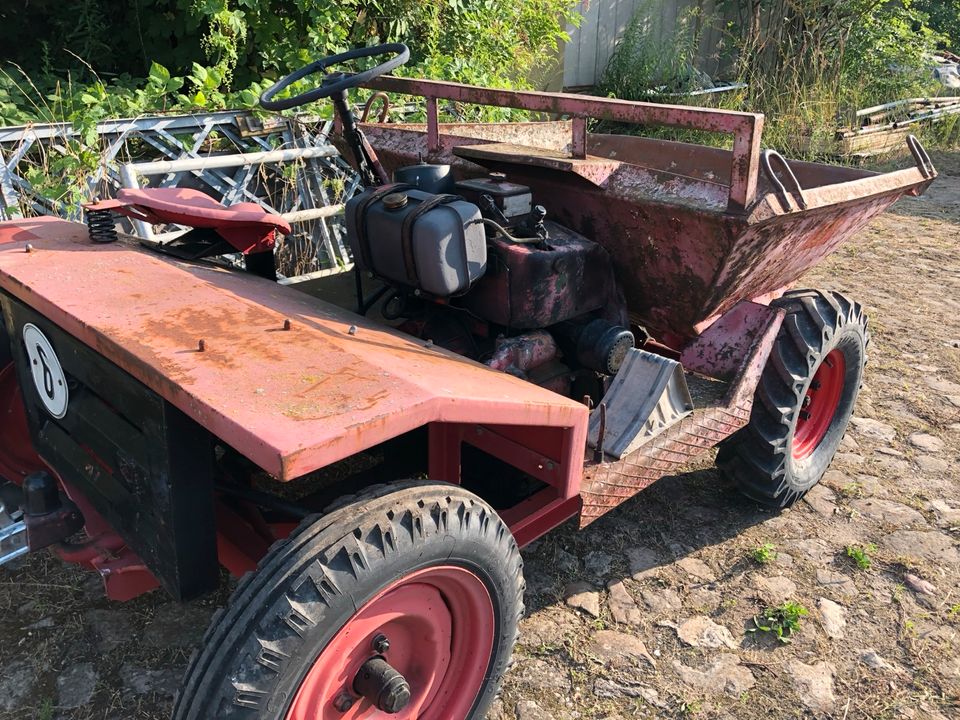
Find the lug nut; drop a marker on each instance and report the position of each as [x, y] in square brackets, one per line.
[381, 644]
[343, 702]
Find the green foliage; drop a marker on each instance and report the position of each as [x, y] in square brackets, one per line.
[97, 59]
[650, 62]
[61, 177]
[764, 554]
[497, 42]
[860, 554]
[247, 44]
[888, 57]
[808, 64]
[825, 59]
[782, 621]
[46, 709]
[944, 17]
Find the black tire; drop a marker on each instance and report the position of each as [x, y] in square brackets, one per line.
[251, 661]
[760, 458]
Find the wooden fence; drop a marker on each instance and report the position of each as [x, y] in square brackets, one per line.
[605, 21]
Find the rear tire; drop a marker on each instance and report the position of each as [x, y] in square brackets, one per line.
[804, 400]
[430, 566]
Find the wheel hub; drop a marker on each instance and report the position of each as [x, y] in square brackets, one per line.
[382, 685]
[419, 650]
[819, 405]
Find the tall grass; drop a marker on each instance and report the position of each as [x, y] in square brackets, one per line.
[809, 65]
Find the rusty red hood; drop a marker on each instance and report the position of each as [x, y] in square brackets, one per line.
[291, 401]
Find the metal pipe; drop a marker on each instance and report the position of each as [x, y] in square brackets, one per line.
[14, 554]
[299, 216]
[910, 101]
[12, 530]
[233, 160]
[128, 179]
[43, 131]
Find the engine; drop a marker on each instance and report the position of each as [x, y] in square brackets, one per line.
[476, 267]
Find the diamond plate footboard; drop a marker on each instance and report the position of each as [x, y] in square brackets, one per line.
[606, 485]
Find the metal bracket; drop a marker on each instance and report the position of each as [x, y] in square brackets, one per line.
[769, 155]
[924, 163]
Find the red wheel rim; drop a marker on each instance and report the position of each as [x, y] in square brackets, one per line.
[819, 405]
[440, 625]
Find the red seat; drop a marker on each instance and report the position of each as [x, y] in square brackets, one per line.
[246, 226]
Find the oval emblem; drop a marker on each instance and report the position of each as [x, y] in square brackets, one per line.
[48, 376]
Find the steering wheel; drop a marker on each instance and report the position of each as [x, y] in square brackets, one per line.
[335, 83]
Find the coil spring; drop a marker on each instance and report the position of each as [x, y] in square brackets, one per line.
[100, 226]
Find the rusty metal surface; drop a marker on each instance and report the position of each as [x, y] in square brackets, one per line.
[719, 351]
[593, 169]
[703, 162]
[746, 128]
[682, 259]
[607, 485]
[528, 287]
[290, 400]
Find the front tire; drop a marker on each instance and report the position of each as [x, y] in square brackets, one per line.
[428, 567]
[804, 400]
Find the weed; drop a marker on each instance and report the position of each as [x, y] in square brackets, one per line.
[861, 555]
[764, 554]
[954, 611]
[852, 490]
[45, 711]
[782, 621]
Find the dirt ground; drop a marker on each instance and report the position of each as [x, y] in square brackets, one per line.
[648, 612]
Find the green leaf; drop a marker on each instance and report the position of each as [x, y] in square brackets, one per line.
[199, 73]
[159, 73]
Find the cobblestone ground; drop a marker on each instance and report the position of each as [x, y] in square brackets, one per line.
[648, 612]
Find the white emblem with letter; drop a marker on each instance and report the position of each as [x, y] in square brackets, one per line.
[47, 374]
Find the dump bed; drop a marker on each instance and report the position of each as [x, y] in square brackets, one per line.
[692, 229]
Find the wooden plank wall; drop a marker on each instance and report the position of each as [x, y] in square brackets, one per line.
[604, 22]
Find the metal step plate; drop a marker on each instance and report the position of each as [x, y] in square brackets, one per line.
[647, 396]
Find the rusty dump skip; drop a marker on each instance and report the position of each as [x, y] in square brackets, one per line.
[692, 230]
[289, 381]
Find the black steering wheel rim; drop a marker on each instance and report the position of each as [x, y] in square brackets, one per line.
[400, 52]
